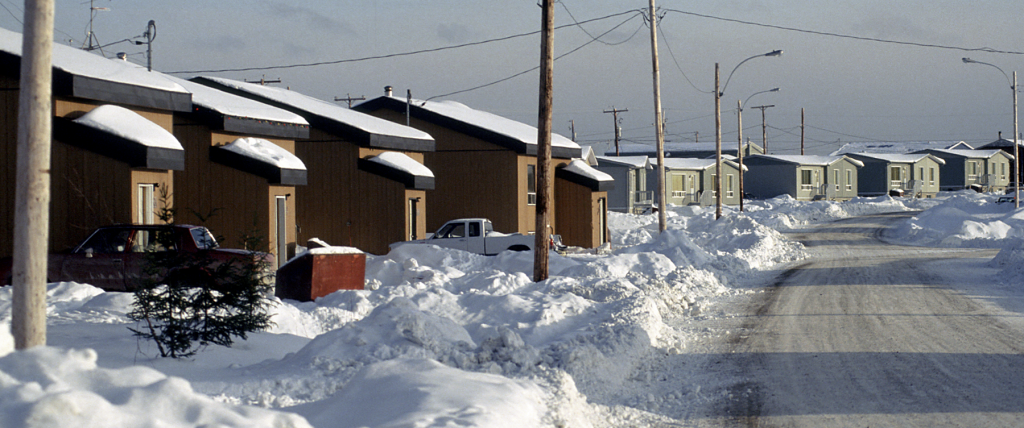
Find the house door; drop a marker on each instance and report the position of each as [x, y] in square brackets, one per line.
[146, 208]
[413, 218]
[281, 233]
[602, 207]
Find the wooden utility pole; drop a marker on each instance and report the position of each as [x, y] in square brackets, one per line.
[32, 196]
[718, 146]
[349, 98]
[615, 121]
[659, 130]
[545, 187]
[739, 148]
[801, 131]
[764, 128]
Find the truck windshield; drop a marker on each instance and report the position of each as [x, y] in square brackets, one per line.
[204, 239]
[452, 230]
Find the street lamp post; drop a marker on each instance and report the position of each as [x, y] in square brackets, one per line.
[1016, 158]
[739, 131]
[718, 130]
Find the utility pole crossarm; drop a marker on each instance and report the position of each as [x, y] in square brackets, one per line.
[615, 121]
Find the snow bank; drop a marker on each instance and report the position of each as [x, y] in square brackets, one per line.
[52, 387]
[448, 336]
[966, 219]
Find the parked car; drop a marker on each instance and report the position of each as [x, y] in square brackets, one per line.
[115, 258]
[1006, 199]
[477, 235]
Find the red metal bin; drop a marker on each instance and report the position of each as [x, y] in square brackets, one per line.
[321, 271]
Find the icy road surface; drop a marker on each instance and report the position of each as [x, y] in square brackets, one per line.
[867, 333]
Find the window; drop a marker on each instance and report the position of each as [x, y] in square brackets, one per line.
[531, 184]
[835, 176]
[1002, 168]
[895, 173]
[729, 192]
[204, 239]
[805, 180]
[931, 176]
[678, 185]
[452, 230]
[849, 180]
[714, 184]
[146, 204]
[107, 241]
[474, 230]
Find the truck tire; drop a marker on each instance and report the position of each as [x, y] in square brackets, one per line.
[519, 248]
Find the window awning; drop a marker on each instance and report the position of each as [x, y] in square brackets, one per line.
[401, 168]
[262, 158]
[124, 135]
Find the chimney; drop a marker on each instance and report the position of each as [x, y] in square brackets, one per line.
[387, 90]
[1000, 135]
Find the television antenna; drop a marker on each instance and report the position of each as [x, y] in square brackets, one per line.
[90, 37]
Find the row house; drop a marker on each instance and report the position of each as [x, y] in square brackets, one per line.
[690, 181]
[366, 183]
[804, 177]
[113, 148]
[689, 150]
[915, 175]
[982, 170]
[485, 165]
[631, 195]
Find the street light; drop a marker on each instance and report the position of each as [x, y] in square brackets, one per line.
[739, 130]
[1016, 159]
[718, 129]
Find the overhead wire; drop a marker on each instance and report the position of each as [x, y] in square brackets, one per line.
[847, 36]
[534, 68]
[396, 55]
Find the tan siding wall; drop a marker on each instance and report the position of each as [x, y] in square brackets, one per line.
[345, 206]
[580, 219]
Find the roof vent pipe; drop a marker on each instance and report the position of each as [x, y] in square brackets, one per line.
[387, 90]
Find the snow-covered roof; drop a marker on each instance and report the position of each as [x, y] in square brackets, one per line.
[898, 157]
[402, 162]
[77, 62]
[630, 161]
[588, 155]
[898, 147]
[977, 153]
[127, 124]
[1001, 143]
[234, 105]
[685, 163]
[456, 114]
[262, 158]
[677, 149]
[811, 159]
[321, 113]
[265, 151]
[401, 168]
[579, 172]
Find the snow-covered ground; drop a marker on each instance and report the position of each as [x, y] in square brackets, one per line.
[448, 338]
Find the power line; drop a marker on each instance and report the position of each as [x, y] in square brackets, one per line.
[395, 55]
[534, 68]
[596, 39]
[674, 60]
[847, 36]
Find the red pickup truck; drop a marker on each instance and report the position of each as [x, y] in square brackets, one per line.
[114, 258]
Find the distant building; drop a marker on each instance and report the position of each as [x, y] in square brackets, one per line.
[630, 194]
[686, 150]
[983, 170]
[915, 175]
[804, 177]
[899, 147]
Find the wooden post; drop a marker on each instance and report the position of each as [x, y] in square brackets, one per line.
[659, 130]
[718, 147]
[739, 148]
[32, 200]
[801, 131]
[545, 186]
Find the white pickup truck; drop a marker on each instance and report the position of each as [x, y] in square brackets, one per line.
[477, 235]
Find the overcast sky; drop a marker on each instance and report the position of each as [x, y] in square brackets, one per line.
[851, 89]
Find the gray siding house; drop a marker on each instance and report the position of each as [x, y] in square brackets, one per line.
[802, 177]
[630, 195]
[914, 175]
[983, 170]
[691, 181]
[1007, 146]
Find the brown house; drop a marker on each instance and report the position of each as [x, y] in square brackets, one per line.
[365, 182]
[240, 169]
[112, 153]
[486, 165]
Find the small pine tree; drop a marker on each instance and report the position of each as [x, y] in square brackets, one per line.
[188, 312]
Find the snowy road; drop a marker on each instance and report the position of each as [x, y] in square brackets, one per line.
[865, 333]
